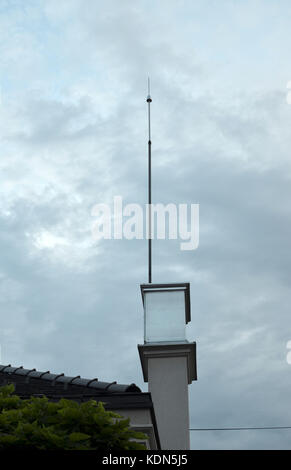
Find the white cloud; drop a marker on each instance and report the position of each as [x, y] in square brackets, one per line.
[45, 239]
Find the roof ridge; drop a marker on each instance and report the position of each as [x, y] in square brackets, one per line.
[113, 387]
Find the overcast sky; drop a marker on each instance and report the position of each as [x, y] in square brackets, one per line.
[73, 78]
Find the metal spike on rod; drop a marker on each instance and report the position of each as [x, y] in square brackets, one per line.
[149, 100]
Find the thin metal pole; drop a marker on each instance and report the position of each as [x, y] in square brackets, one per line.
[149, 100]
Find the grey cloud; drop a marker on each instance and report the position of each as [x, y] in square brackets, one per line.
[77, 309]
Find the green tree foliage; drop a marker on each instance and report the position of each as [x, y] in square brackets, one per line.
[37, 423]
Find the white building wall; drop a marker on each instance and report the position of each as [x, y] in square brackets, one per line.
[168, 385]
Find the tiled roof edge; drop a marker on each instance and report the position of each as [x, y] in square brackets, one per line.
[77, 380]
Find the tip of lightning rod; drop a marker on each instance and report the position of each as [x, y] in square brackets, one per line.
[149, 99]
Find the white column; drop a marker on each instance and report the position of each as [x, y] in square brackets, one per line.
[169, 368]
